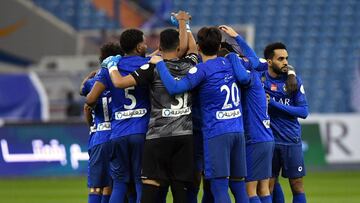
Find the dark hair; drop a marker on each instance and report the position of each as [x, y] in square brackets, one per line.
[130, 38]
[110, 49]
[269, 49]
[209, 40]
[169, 39]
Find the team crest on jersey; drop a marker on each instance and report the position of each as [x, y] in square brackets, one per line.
[302, 90]
[193, 70]
[284, 88]
[145, 66]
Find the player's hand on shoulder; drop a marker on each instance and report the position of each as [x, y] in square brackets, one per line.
[228, 30]
[155, 59]
[291, 82]
[110, 61]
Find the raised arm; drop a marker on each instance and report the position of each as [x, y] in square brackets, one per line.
[245, 48]
[183, 18]
[240, 73]
[90, 75]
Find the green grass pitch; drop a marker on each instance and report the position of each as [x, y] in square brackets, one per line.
[320, 187]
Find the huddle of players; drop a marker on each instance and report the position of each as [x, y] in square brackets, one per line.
[162, 121]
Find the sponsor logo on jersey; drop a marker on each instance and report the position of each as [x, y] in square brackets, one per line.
[221, 115]
[134, 113]
[103, 126]
[176, 112]
[266, 123]
[273, 87]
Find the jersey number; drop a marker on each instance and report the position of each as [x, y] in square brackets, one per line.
[105, 106]
[131, 97]
[182, 101]
[234, 93]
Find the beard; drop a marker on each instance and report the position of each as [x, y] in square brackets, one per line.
[280, 71]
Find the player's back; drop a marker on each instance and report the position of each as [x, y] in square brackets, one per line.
[170, 115]
[130, 105]
[254, 106]
[219, 98]
[101, 115]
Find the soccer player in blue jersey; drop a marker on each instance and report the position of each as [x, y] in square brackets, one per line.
[224, 145]
[259, 137]
[130, 117]
[284, 109]
[99, 179]
[168, 150]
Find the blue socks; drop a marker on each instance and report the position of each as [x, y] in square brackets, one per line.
[119, 192]
[219, 188]
[266, 199]
[105, 199]
[299, 198]
[239, 191]
[254, 199]
[138, 187]
[278, 195]
[94, 198]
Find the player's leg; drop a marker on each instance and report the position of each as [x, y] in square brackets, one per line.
[154, 158]
[193, 189]
[94, 194]
[119, 169]
[295, 170]
[98, 172]
[182, 167]
[238, 167]
[260, 168]
[277, 194]
[136, 143]
[150, 191]
[217, 166]
[106, 194]
[297, 188]
[207, 195]
[277, 162]
[163, 191]
[263, 191]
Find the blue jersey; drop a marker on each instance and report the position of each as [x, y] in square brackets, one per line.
[256, 119]
[101, 114]
[218, 97]
[284, 122]
[130, 105]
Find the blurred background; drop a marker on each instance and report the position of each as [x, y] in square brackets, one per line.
[48, 46]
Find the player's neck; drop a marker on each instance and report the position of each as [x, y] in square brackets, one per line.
[169, 55]
[206, 58]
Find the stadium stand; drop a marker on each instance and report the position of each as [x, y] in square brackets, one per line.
[322, 36]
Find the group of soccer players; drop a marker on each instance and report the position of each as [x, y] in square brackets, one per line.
[193, 109]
